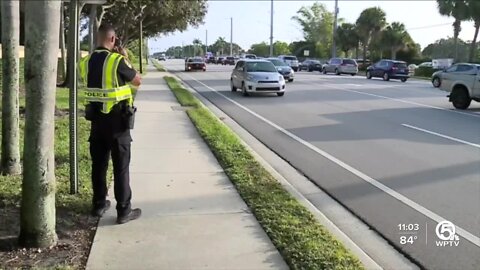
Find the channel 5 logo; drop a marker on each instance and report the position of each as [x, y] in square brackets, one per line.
[445, 231]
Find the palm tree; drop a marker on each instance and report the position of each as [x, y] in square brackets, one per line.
[10, 159]
[196, 42]
[317, 25]
[395, 37]
[369, 24]
[37, 218]
[474, 14]
[347, 37]
[459, 11]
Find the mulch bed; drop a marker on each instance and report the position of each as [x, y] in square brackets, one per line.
[75, 235]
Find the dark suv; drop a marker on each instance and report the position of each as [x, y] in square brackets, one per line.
[229, 61]
[389, 69]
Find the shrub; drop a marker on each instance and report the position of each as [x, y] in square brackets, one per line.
[425, 71]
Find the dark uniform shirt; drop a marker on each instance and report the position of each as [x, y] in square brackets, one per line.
[108, 126]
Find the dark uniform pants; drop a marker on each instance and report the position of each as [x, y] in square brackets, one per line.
[100, 150]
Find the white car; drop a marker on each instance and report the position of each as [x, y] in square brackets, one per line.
[462, 81]
[257, 76]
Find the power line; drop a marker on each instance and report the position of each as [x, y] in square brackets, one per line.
[428, 26]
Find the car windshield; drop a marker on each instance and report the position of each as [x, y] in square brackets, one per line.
[260, 67]
[230, 58]
[250, 56]
[195, 60]
[349, 61]
[400, 65]
[278, 63]
[315, 61]
[290, 58]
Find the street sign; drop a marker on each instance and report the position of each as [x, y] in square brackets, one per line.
[306, 53]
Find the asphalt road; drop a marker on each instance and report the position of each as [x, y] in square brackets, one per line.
[391, 152]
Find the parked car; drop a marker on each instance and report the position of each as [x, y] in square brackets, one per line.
[426, 64]
[195, 63]
[283, 68]
[162, 58]
[220, 60]
[462, 81]
[389, 69]
[211, 60]
[341, 66]
[257, 76]
[249, 56]
[229, 60]
[291, 60]
[310, 65]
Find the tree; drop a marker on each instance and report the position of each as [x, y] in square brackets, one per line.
[37, 227]
[197, 44]
[10, 159]
[458, 10]
[297, 48]
[445, 48]
[280, 47]
[161, 17]
[260, 49]
[221, 46]
[369, 24]
[317, 26]
[347, 37]
[474, 14]
[395, 37]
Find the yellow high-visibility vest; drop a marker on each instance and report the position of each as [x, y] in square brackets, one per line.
[111, 92]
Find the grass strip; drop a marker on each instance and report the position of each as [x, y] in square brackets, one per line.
[157, 65]
[303, 242]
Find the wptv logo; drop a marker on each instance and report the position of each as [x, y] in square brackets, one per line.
[445, 231]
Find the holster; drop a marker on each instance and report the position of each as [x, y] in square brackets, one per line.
[129, 116]
[90, 112]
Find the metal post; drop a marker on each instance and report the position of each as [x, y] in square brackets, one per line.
[231, 36]
[334, 43]
[206, 42]
[271, 29]
[73, 106]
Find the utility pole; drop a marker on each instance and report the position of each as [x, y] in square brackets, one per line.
[231, 36]
[206, 42]
[140, 57]
[334, 43]
[271, 28]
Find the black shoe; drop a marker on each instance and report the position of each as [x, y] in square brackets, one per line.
[132, 215]
[99, 211]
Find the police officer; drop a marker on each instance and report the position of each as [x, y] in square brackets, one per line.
[109, 107]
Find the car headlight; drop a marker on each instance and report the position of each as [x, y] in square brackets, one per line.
[251, 78]
[280, 78]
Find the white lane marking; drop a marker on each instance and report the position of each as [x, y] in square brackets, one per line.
[462, 232]
[441, 135]
[400, 100]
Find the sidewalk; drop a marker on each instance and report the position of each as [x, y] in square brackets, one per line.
[193, 217]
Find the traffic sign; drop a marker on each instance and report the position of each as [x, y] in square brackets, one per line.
[306, 53]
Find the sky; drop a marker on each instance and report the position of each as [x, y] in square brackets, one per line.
[251, 21]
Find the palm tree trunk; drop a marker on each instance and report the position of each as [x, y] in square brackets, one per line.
[472, 54]
[456, 33]
[394, 53]
[37, 228]
[364, 54]
[63, 53]
[10, 159]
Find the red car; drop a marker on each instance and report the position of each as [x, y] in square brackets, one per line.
[195, 63]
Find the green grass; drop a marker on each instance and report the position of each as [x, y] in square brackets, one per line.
[10, 186]
[159, 66]
[303, 242]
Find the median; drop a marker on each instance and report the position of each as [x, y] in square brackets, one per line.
[301, 240]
